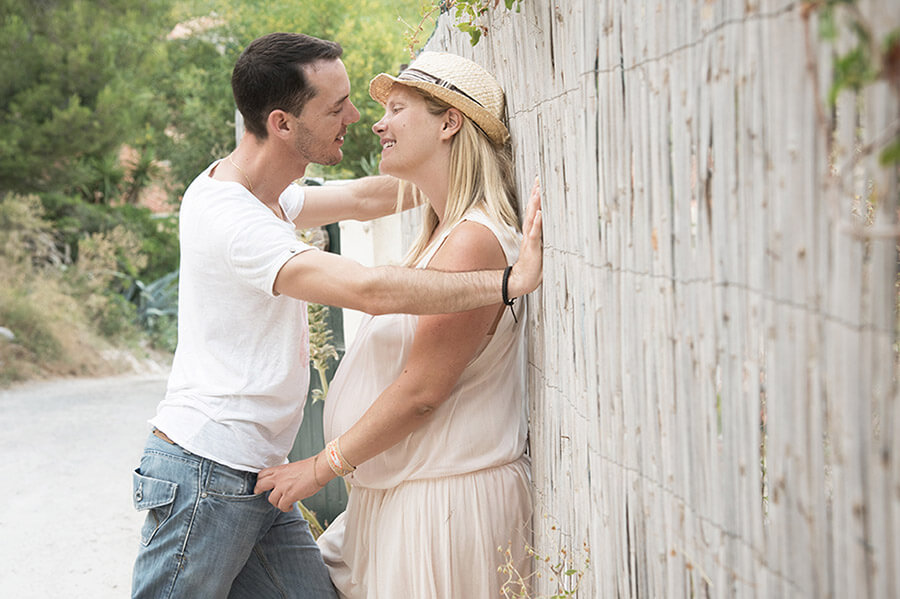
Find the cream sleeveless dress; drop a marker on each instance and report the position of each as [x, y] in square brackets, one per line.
[425, 518]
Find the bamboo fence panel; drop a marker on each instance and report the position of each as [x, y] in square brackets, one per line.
[713, 353]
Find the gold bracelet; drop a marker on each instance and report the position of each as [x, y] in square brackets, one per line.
[315, 477]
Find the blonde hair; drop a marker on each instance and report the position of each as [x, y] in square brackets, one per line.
[481, 175]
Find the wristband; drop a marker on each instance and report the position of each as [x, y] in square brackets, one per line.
[505, 290]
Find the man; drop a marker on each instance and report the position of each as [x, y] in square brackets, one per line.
[240, 374]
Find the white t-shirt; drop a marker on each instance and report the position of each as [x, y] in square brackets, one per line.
[241, 369]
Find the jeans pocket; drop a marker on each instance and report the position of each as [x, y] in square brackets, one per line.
[229, 483]
[156, 497]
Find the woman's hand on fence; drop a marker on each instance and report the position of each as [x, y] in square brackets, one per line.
[527, 272]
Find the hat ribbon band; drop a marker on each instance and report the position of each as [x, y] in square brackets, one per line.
[417, 75]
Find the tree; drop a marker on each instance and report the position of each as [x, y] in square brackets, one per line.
[69, 96]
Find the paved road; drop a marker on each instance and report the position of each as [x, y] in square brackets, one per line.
[67, 449]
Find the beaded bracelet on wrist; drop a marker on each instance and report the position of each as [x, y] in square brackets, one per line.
[339, 464]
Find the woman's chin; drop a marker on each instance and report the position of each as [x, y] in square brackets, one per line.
[385, 169]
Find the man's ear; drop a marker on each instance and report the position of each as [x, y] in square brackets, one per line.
[452, 123]
[279, 123]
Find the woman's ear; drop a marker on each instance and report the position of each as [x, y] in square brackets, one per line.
[452, 123]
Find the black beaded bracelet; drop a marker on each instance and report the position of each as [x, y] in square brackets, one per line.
[505, 289]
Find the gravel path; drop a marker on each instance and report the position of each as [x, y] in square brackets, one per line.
[67, 449]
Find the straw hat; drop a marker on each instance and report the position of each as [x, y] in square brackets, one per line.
[457, 81]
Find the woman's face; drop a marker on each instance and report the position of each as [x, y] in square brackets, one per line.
[410, 135]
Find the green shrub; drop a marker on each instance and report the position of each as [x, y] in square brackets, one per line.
[73, 219]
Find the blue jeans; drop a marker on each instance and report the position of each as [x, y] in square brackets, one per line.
[207, 535]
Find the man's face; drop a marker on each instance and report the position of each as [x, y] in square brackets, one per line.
[325, 117]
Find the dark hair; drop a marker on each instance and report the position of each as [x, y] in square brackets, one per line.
[269, 76]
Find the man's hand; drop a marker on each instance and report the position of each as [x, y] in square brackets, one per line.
[289, 483]
[528, 271]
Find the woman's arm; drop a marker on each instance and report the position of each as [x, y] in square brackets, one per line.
[443, 346]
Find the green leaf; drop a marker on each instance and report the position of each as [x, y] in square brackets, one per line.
[891, 154]
[827, 26]
[853, 71]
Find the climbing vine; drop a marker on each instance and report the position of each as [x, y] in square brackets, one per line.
[867, 60]
[466, 13]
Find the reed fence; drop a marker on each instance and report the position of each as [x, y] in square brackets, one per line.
[713, 353]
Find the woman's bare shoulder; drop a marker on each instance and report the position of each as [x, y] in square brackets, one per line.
[470, 246]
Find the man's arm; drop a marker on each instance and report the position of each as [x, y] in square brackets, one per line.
[330, 279]
[361, 199]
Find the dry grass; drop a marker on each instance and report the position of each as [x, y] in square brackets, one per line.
[53, 336]
[58, 314]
